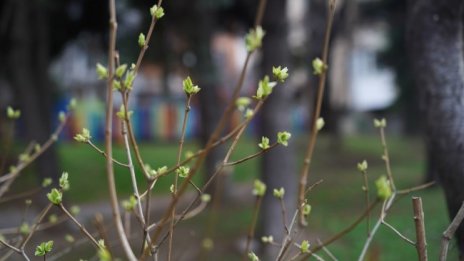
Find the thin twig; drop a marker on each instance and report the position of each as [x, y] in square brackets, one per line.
[320, 94]
[104, 154]
[251, 230]
[108, 136]
[288, 238]
[257, 154]
[398, 233]
[421, 241]
[81, 227]
[420, 187]
[449, 233]
[386, 158]
[34, 227]
[327, 251]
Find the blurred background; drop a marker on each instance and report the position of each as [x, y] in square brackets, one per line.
[49, 49]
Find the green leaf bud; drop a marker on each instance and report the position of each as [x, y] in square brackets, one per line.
[24, 228]
[383, 188]
[64, 181]
[254, 39]
[129, 204]
[12, 114]
[53, 218]
[280, 74]
[304, 246]
[253, 257]
[84, 136]
[320, 124]
[267, 239]
[69, 238]
[259, 188]
[242, 103]
[44, 248]
[183, 171]
[264, 88]
[157, 11]
[283, 137]
[55, 196]
[207, 243]
[206, 198]
[306, 209]
[102, 72]
[380, 123]
[319, 67]
[61, 116]
[279, 193]
[120, 70]
[362, 166]
[141, 40]
[75, 210]
[121, 114]
[46, 182]
[264, 143]
[189, 87]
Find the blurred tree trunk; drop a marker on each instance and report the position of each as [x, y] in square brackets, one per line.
[435, 43]
[27, 71]
[278, 165]
[210, 105]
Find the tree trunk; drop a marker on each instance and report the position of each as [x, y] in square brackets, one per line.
[278, 165]
[435, 44]
[210, 106]
[27, 71]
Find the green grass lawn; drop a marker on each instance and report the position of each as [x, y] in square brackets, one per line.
[336, 202]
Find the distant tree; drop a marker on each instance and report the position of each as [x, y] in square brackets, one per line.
[435, 47]
[32, 33]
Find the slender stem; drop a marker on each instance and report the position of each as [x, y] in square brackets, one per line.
[421, 241]
[176, 177]
[34, 227]
[398, 232]
[132, 172]
[251, 231]
[104, 154]
[257, 154]
[386, 158]
[346, 230]
[449, 233]
[17, 250]
[320, 94]
[310, 188]
[108, 136]
[147, 39]
[284, 215]
[327, 251]
[81, 227]
[420, 187]
[366, 194]
[288, 239]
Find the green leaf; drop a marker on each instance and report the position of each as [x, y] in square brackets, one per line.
[44, 248]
